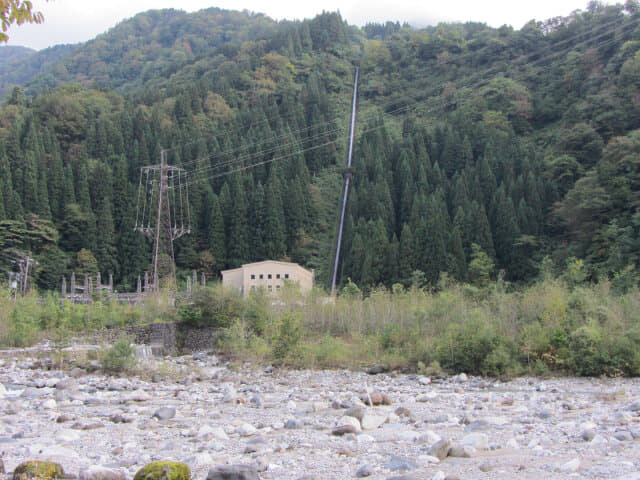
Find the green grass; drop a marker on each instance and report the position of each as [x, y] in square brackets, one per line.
[554, 326]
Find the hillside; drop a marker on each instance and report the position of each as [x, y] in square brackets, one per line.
[476, 147]
[19, 67]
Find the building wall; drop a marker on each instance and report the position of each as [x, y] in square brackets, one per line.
[233, 278]
[270, 275]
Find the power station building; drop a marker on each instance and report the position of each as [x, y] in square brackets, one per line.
[270, 275]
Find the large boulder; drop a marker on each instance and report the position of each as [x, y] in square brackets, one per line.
[233, 472]
[38, 469]
[163, 471]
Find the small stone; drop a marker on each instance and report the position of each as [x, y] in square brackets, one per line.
[355, 412]
[49, 404]
[401, 464]
[346, 451]
[570, 466]
[343, 430]
[377, 369]
[292, 424]
[403, 412]
[67, 436]
[371, 421]
[350, 421]
[117, 418]
[477, 440]
[233, 472]
[477, 426]
[64, 418]
[165, 413]
[485, 467]
[246, 430]
[623, 436]
[101, 473]
[462, 451]
[439, 475]
[376, 398]
[364, 471]
[588, 434]
[440, 449]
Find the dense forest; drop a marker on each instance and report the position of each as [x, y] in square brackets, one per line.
[479, 151]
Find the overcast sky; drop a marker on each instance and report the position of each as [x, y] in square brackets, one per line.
[71, 21]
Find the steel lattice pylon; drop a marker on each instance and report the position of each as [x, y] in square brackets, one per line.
[162, 213]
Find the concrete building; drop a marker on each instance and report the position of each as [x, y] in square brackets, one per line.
[270, 275]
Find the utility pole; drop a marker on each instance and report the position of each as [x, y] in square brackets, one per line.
[162, 215]
[24, 264]
[347, 183]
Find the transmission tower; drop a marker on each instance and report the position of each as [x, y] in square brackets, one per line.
[162, 214]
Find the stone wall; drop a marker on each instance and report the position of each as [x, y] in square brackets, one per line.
[166, 338]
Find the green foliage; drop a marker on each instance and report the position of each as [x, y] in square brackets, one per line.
[213, 306]
[539, 160]
[480, 267]
[119, 357]
[164, 470]
[288, 335]
[38, 469]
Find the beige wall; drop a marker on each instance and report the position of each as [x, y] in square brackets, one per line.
[269, 275]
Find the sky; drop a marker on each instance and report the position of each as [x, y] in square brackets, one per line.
[72, 21]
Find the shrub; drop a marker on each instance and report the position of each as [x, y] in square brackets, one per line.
[212, 307]
[288, 335]
[120, 357]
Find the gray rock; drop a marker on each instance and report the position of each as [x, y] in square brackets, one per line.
[371, 421]
[588, 434]
[462, 451]
[343, 430]
[623, 436]
[67, 384]
[401, 464]
[101, 473]
[635, 432]
[440, 449]
[477, 426]
[364, 471]
[634, 407]
[165, 413]
[355, 412]
[544, 414]
[485, 466]
[292, 424]
[233, 472]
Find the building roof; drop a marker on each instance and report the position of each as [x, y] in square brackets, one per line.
[254, 264]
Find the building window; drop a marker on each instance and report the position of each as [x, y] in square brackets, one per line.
[253, 277]
[286, 275]
[261, 276]
[269, 276]
[277, 275]
[278, 287]
[270, 287]
[253, 287]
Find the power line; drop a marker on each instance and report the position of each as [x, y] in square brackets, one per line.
[603, 28]
[392, 114]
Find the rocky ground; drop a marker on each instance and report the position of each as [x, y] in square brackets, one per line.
[318, 424]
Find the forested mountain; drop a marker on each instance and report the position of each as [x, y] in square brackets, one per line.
[474, 145]
[18, 65]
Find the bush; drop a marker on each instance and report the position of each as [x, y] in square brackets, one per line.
[212, 307]
[288, 335]
[120, 357]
